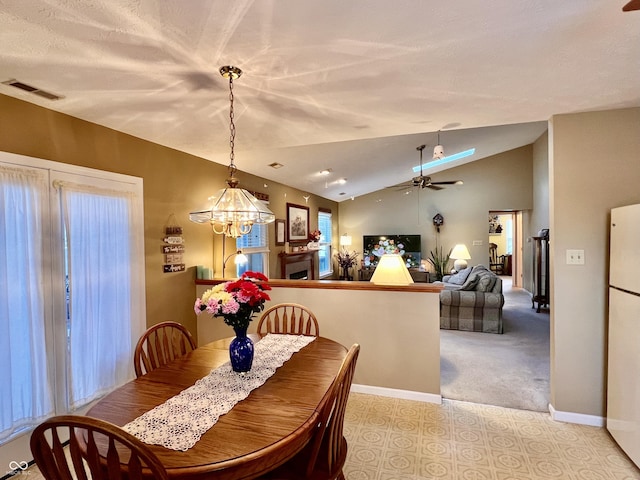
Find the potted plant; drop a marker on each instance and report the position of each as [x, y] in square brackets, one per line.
[440, 262]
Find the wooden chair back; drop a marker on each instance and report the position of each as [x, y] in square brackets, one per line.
[496, 263]
[161, 344]
[324, 456]
[289, 318]
[97, 450]
[333, 447]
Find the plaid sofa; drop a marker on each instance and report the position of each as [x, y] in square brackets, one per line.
[474, 305]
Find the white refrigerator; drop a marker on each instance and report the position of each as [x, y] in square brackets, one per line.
[623, 384]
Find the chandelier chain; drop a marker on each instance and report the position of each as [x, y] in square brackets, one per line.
[232, 128]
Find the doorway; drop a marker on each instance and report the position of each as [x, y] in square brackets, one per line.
[505, 234]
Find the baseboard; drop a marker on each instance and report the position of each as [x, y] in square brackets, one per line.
[395, 393]
[579, 418]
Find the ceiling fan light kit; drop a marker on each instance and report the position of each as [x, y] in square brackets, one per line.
[424, 181]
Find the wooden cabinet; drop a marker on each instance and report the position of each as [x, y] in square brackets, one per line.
[540, 271]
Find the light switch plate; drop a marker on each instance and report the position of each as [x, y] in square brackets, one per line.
[477, 243]
[575, 257]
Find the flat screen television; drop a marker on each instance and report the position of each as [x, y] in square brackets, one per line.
[375, 246]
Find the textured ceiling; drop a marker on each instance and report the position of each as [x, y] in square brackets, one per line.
[352, 86]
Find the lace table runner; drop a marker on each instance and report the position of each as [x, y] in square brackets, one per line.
[180, 421]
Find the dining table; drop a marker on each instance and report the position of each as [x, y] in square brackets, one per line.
[262, 431]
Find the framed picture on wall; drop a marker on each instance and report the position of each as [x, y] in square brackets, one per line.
[280, 231]
[297, 223]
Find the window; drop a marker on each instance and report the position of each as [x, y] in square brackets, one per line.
[255, 246]
[71, 288]
[509, 235]
[324, 254]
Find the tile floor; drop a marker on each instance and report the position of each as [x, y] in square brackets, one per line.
[392, 439]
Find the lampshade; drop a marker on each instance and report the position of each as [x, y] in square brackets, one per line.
[234, 210]
[460, 254]
[391, 270]
[345, 240]
[240, 259]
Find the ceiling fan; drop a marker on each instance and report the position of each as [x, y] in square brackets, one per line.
[632, 5]
[424, 181]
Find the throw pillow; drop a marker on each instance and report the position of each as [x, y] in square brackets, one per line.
[460, 277]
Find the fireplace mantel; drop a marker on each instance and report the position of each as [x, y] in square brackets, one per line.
[288, 259]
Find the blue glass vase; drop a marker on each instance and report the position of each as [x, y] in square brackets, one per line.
[241, 351]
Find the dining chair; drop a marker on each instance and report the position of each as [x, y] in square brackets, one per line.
[324, 456]
[289, 318]
[496, 263]
[161, 344]
[97, 450]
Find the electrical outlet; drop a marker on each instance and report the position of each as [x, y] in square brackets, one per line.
[575, 257]
[477, 243]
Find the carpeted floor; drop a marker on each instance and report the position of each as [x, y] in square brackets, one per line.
[509, 370]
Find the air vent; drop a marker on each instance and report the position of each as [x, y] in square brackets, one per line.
[276, 165]
[31, 89]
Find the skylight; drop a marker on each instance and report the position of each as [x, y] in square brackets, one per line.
[443, 160]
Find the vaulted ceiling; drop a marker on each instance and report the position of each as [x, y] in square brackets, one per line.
[352, 86]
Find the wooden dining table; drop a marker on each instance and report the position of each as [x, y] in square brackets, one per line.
[258, 434]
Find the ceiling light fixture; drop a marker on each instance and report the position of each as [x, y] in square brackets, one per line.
[439, 157]
[438, 150]
[234, 210]
[326, 171]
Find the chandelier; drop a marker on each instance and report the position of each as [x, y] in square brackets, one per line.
[233, 210]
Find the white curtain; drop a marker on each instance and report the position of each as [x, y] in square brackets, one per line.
[26, 395]
[98, 246]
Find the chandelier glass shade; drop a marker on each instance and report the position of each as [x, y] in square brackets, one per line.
[233, 211]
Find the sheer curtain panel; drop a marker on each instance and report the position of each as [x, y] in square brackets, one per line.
[72, 290]
[97, 226]
[26, 396]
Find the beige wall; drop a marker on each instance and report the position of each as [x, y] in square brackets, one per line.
[500, 182]
[174, 183]
[390, 357]
[538, 217]
[594, 165]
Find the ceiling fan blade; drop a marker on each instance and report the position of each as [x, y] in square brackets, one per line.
[402, 185]
[433, 187]
[450, 182]
[632, 5]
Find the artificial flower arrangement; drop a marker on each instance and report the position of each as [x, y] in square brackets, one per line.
[315, 236]
[236, 301]
[345, 259]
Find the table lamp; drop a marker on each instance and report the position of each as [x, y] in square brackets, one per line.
[391, 270]
[460, 254]
[345, 240]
